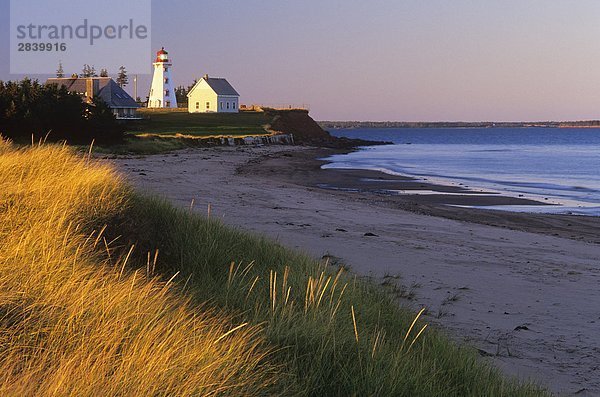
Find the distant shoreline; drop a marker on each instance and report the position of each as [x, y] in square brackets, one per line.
[425, 124]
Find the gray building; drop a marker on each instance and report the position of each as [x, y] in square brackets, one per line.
[123, 106]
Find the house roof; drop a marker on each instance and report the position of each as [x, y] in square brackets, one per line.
[218, 85]
[108, 90]
[160, 53]
[77, 85]
[115, 96]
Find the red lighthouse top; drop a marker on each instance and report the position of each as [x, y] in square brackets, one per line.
[162, 55]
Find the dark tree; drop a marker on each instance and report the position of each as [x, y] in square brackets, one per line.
[103, 73]
[102, 124]
[60, 72]
[122, 79]
[28, 109]
[181, 93]
[88, 71]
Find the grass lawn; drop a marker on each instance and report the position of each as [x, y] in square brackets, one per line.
[179, 121]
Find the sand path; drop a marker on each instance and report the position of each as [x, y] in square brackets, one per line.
[529, 302]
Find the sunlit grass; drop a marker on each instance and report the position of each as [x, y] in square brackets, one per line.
[74, 322]
[107, 292]
[335, 333]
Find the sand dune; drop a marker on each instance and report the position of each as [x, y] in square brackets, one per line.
[528, 301]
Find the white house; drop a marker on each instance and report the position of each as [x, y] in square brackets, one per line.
[213, 95]
[162, 93]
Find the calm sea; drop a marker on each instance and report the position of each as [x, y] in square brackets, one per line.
[555, 165]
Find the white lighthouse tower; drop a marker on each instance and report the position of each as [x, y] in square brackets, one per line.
[162, 94]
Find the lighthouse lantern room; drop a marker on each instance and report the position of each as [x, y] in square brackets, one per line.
[162, 94]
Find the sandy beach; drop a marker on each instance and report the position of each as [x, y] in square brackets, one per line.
[521, 288]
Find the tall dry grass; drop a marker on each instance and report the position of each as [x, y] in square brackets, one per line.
[334, 333]
[75, 321]
[83, 314]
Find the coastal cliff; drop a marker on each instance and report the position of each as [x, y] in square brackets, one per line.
[306, 131]
[264, 126]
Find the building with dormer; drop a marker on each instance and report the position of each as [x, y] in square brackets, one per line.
[213, 95]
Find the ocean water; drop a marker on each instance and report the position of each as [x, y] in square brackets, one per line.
[555, 165]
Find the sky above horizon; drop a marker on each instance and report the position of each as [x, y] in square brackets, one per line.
[410, 60]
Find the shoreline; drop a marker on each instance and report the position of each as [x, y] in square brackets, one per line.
[303, 168]
[524, 298]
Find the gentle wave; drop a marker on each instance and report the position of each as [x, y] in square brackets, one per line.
[561, 166]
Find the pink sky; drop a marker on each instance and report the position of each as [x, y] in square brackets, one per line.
[388, 59]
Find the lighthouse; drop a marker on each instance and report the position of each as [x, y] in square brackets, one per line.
[162, 94]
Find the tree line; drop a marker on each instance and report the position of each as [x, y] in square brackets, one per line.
[90, 71]
[30, 109]
[181, 93]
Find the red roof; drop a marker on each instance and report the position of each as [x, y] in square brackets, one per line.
[162, 53]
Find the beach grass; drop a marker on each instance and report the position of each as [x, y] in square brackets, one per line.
[109, 292]
[75, 321]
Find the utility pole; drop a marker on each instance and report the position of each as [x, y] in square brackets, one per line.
[135, 95]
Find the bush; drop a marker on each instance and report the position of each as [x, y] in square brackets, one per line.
[28, 108]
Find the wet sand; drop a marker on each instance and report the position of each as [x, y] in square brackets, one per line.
[525, 293]
[304, 168]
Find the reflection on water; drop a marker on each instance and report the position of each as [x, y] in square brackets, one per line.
[548, 164]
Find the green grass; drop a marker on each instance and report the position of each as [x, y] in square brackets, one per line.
[345, 336]
[141, 146]
[179, 121]
[108, 292]
[166, 130]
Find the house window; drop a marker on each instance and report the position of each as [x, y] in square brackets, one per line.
[198, 105]
[227, 105]
[168, 104]
[167, 92]
[221, 105]
[166, 80]
[233, 105]
[207, 105]
[166, 69]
